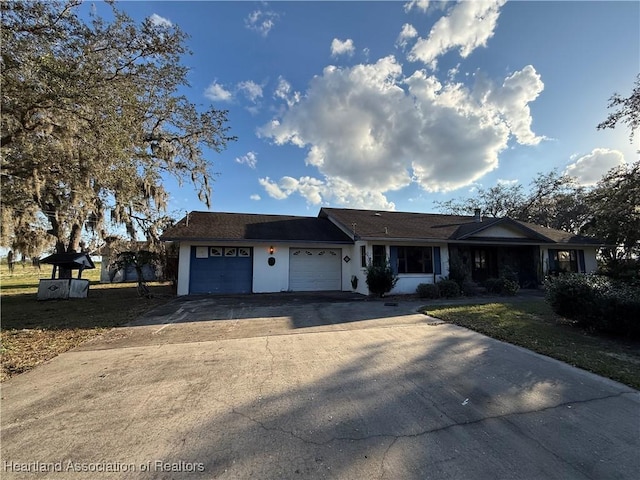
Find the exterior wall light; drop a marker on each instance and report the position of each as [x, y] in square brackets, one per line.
[271, 250]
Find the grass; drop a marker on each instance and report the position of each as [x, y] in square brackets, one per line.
[36, 331]
[533, 325]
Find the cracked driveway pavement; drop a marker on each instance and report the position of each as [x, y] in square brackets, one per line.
[278, 387]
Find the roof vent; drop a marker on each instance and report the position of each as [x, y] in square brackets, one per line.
[377, 214]
[477, 215]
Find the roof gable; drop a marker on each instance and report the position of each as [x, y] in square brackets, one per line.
[498, 228]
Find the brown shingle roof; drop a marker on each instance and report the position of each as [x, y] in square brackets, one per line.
[430, 226]
[385, 224]
[340, 225]
[256, 227]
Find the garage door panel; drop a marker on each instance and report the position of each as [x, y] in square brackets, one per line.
[315, 269]
[231, 272]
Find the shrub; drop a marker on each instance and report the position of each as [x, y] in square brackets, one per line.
[493, 285]
[458, 271]
[428, 290]
[448, 288]
[380, 279]
[596, 303]
[509, 287]
[502, 286]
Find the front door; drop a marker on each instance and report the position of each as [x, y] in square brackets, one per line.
[483, 264]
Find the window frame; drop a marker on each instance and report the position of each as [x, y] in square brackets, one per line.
[406, 262]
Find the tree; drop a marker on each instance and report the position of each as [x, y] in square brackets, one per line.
[92, 120]
[553, 200]
[615, 212]
[628, 110]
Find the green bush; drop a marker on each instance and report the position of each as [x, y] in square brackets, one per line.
[509, 287]
[380, 279]
[502, 286]
[458, 271]
[596, 303]
[494, 285]
[428, 290]
[448, 288]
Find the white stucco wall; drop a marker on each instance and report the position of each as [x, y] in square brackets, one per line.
[500, 231]
[407, 283]
[266, 278]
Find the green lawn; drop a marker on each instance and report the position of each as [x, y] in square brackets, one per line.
[36, 331]
[533, 325]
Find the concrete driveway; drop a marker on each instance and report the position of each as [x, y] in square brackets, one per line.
[295, 386]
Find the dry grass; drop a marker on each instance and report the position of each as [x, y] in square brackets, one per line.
[36, 331]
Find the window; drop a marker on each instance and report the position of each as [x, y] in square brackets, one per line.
[379, 255]
[363, 256]
[564, 261]
[415, 260]
[480, 259]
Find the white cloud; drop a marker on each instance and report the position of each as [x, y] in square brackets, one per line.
[590, 168]
[422, 5]
[261, 21]
[407, 33]
[284, 92]
[255, 197]
[217, 92]
[512, 100]
[367, 128]
[339, 47]
[502, 181]
[467, 26]
[250, 89]
[250, 159]
[272, 188]
[159, 21]
[328, 191]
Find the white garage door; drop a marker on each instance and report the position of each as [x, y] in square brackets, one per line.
[315, 269]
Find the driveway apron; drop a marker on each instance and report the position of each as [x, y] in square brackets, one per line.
[292, 386]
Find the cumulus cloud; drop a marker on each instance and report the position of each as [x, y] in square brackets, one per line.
[328, 191]
[512, 100]
[159, 21]
[368, 128]
[217, 92]
[250, 159]
[261, 21]
[250, 89]
[284, 92]
[590, 168]
[255, 197]
[340, 47]
[407, 33]
[421, 5]
[467, 26]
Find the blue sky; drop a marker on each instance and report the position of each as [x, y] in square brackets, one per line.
[395, 105]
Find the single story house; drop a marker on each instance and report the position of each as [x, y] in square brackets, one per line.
[256, 253]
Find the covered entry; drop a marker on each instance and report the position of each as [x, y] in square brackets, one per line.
[315, 269]
[221, 270]
[491, 261]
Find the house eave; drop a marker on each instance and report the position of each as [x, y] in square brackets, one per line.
[247, 241]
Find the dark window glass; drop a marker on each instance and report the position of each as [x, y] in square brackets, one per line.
[363, 256]
[415, 260]
[379, 255]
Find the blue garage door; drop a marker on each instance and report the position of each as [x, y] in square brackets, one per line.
[221, 270]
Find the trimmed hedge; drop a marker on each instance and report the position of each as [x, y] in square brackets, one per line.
[596, 303]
